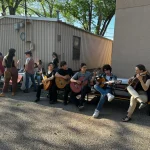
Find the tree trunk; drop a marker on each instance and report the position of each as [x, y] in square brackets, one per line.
[106, 27]
[12, 11]
[44, 10]
[90, 15]
[3, 6]
[50, 11]
[99, 21]
[106, 23]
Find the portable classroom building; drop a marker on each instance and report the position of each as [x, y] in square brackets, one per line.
[46, 35]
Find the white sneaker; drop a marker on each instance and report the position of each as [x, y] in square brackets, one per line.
[110, 97]
[96, 113]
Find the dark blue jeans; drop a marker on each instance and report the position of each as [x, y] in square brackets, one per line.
[84, 91]
[28, 75]
[52, 92]
[38, 78]
[103, 97]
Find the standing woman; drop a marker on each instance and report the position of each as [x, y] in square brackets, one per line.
[10, 64]
[55, 61]
[1, 66]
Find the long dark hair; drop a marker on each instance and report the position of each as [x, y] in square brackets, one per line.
[143, 68]
[40, 62]
[55, 54]
[10, 55]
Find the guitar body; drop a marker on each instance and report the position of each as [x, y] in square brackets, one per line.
[101, 81]
[46, 85]
[61, 83]
[135, 81]
[76, 88]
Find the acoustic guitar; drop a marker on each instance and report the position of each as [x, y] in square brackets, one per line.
[76, 88]
[135, 80]
[61, 83]
[102, 81]
[46, 84]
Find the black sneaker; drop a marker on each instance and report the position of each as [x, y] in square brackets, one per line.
[126, 119]
[52, 102]
[65, 103]
[142, 105]
[26, 91]
[38, 99]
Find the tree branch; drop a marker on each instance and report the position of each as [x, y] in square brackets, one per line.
[106, 23]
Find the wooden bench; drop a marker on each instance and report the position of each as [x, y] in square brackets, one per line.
[120, 94]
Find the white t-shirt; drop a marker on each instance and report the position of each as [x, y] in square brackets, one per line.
[108, 78]
[49, 72]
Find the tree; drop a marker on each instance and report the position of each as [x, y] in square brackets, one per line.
[92, 15]
[46, 8]
[11, 5]
[105, 12]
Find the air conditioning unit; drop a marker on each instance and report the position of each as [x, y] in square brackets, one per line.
[22, 25]
[17, 26]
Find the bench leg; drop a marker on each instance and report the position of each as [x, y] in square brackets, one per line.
[149, 109]
[87, 97]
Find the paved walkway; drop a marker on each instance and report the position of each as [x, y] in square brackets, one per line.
[25, 125]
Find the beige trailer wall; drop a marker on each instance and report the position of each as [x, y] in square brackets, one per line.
[95, 51]
[44, 39]
[41, 33]
[10, 38]
[132, 36]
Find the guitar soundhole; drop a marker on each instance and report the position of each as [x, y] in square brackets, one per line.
[60, 83]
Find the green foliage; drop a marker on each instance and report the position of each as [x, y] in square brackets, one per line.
[92, 15]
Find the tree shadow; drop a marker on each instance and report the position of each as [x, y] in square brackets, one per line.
[37, 126]
[115, 110]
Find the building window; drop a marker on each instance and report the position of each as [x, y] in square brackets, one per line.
[59, 38]
[76, 47]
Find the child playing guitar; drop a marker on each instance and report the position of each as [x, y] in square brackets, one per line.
[106, 90]
[52, 89]
[81, 80]
[63, 76]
